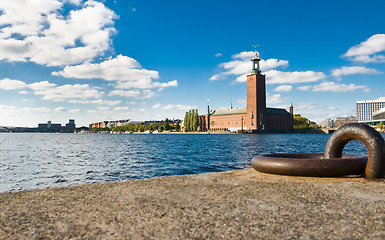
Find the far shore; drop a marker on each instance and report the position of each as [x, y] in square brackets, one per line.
[305, 131]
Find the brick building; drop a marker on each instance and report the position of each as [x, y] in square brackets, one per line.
[256, 116]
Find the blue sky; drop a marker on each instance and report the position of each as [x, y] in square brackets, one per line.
[144, 60]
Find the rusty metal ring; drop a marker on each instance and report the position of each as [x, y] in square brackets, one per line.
[375, 168]
[309, 164]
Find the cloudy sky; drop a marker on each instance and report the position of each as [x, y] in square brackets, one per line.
[143, 60]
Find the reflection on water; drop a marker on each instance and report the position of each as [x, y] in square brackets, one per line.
[37, 160]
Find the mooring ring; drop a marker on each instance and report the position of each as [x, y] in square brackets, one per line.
[309, 164]
[373, 141]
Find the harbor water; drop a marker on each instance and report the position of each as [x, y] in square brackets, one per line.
[41, 160]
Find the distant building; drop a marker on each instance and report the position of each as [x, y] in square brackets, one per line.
[70, 126]
[371, 112]
[56, 127]
[108, 124]
[256, 116]
[341, 121]
[328, 123]
[51, 127]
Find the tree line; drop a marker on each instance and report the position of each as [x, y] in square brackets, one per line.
[191, 121]
[141, 127]
[301, 123]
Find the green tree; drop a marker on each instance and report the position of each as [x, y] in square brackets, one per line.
[141, 128]
[191, 120]
[177, 126]
[195, 120]
[186, 122]
[166, 124]
[380, 126]
[300, 122]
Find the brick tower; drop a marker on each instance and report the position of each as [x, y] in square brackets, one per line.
[256, 97]
[291, 109]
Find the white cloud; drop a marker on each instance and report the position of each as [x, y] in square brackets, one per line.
[137, 94]
[102, 108]
[274, 99]
[38, 31]
[246, 55]
[125, 71]
[241, 66]
[304, 88]
[343, 71]
[7, 110]
[177, 106]
[215, 77]
[41, 109]
[97, 101]
[336, 87]
[60, 109]
[283, 88]
[242, 78]
[218, 55]
[76, 2]
[43, 85]
[68, 92]
[368, 51]
[9, 84]
[148, 94]
[301, 106]
[123, 93]
[74, 110]
[106, 102]
[274, 76]
[121, 109]
[52, 92]
[157, 105]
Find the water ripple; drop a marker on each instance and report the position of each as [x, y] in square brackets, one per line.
[38, 160]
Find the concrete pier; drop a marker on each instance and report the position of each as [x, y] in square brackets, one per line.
[241, 204]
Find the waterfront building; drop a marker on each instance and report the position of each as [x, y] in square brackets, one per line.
[341, 121]
[328, 123]
[371, 112]
[49, 126]
[70, 126]
[108, 124]
[256, 116]
[56, 127]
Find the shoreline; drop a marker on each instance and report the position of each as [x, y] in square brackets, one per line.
[241, 204]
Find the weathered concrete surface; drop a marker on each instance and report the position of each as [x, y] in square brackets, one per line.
[241, 204]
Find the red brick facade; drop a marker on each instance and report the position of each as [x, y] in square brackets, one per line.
[254, 117]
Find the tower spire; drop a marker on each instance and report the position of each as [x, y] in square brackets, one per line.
[255, 60]
[208, 107]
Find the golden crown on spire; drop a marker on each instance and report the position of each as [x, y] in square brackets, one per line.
[256, 53]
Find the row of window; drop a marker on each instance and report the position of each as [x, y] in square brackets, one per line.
[365, 110]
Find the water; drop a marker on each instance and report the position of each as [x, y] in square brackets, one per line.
[38, 160]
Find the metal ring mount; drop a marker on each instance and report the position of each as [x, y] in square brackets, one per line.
[332, 163]
[309, 164]
[373, 141]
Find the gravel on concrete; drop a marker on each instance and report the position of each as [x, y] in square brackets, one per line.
[242, 204]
